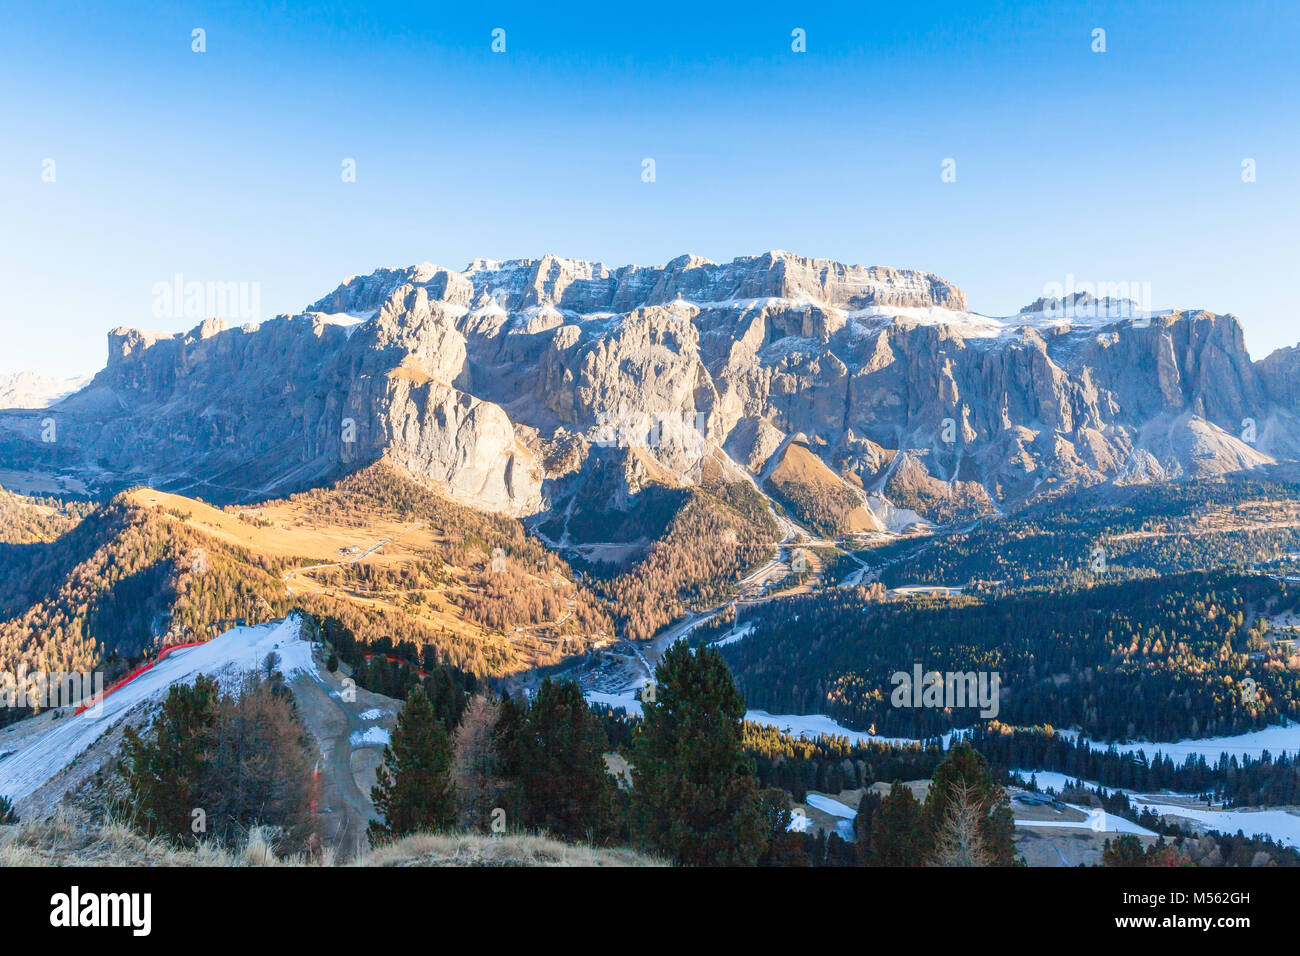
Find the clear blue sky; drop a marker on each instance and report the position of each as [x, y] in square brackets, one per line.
[225, 166]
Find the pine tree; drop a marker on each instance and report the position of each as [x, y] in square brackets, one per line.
[899, 833]
[507, 741]
[964, 765]
[165, 771]
[413, 789]
[867, 809]
[554, 752]
[1125, 851]
[694, 794]
[8, 816]
[784, 847]
[215, 765]
[261, 765]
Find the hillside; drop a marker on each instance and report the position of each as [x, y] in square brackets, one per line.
[379, 550]
[1175, 649]
[812, 492]
[1239, 521]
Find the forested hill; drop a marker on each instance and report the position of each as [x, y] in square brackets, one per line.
[1159, 658]
[100, 586]
[1106, 533]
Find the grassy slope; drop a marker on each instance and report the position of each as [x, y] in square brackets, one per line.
[816, 496]
[67, 840]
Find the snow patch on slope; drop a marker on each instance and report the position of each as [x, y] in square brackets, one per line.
[892, 517]
[371, 736]
[349, 322]
[1284, 737]
[1280, 825]
[226, 658]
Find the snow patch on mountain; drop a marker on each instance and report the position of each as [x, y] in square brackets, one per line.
[348, 321]
[894, 519]
[371, 736]
[29, 390]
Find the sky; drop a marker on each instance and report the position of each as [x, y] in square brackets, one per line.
[228, 165]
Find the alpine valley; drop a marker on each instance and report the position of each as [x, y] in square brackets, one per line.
[534, 470]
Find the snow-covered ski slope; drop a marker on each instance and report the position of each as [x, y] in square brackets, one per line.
[225, 658]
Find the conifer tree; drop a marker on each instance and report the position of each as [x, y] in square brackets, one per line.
[413, 789]
[694, 794]
[1125, 851]
[507, 741]
[553, 752]
[899, 832]
[214, 765]
[784, 846]
[965, 766]
[165, 771]
[867, 808]
[475, 768]
[566, 782]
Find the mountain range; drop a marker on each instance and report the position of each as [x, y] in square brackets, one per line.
[542, 471]
[861, 400]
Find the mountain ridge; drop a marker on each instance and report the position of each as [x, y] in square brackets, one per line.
[474, 379]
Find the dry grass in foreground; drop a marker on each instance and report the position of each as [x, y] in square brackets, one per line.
[514, 849]
[68, 839]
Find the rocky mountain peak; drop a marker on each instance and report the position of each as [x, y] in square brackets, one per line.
[469, 377]
[591, 287]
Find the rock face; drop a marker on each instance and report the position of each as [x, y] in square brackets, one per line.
[495, 382]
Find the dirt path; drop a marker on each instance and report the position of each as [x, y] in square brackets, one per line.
[347, 770]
